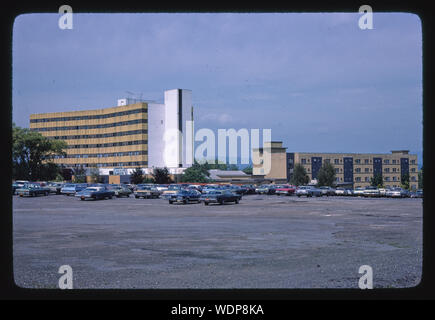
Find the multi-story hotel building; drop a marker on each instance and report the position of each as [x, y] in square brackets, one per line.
[353, 169]
[129, 135]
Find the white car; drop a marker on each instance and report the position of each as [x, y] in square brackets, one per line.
[340, 191]
[371, 192]
[358, 192]
[396, 193]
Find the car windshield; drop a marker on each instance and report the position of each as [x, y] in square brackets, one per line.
[93, 189]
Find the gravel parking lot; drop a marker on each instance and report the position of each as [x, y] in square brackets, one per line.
[262, 242]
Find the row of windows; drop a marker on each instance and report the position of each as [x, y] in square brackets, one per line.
[357, 161]
[102, 116]
[102, 155]
[104, 135]
[93, 126]
[113, 164]
[367, 179]
[105, 145]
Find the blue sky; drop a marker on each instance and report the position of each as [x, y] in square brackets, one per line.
[317, 80]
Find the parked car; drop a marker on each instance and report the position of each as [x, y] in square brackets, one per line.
[73, 188]
[308, 191]
[220, 196]
[250, 189]
[121, 191]
[265, 189]
[146, 192]
[340, 191]
[185, 196]
[358, 192]
[396, 193]
[95, 193]
[417, 194]
[371, 191]
[55, 187]
[32, 189]
[286, 190]
[382, 192]
[237, 189]
[349, 192]
[172, 189]
[327, 191]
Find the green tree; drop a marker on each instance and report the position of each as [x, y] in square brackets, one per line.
[161, 176]
[80, 175]
[300, 176]
[404, 180]
[420, 178]
[377, 180]
[32, 155]
[95, 175]
[196, 173]
[248, 170]
[326, 175]
[136, 176]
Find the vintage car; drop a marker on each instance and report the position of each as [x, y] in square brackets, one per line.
[172, 189]
[220, 196]
[340, 191]
[185, 196]
[146, 192]
[121, 191]
[73, 188]
[396, 193]
[358, 192]
[417, 194]
[55, 187]
[308, 191]
[327, 191]
[250, 189]
[371, 191]
[265, 189]
[32, 189]
[95, 193]
[286, 190]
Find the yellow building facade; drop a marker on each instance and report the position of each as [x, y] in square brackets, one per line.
[110, 137]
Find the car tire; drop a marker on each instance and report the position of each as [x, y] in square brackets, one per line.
[184, 201]
[237, 201]
[205, 203]
[221, 202]
[46, 193]
[170, 202]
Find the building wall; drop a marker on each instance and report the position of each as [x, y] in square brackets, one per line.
[156, 130]
[278, 170]
[120, 144]
[363, 166]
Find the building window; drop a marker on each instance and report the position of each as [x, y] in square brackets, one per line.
[303, 161]
[394, 178]
[412, 169]
[358, 179]
[394, 169]
[336, 170]
[327, 160]
[358, 161]
[366, 169]
[366, 161]
[335, 161]
[412, 161]
[366, 179]
[386, 161]
[358, 170]
[413, 178]
[387, 170]
[387, 178]
[394, 161]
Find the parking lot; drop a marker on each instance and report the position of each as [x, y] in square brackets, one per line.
[265, 241]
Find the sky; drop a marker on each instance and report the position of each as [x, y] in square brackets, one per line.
[317, 80]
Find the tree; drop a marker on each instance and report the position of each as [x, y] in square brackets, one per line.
[161, 176]
[95, 175]
[420, 178]
[80, 175]
[32, 155]
[136, 176]
[404, 179]
[196, 173]
[377, 181]
[300, 176]
[248, 170]
[326, 175]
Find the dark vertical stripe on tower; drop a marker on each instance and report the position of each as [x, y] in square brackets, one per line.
[180, 127]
